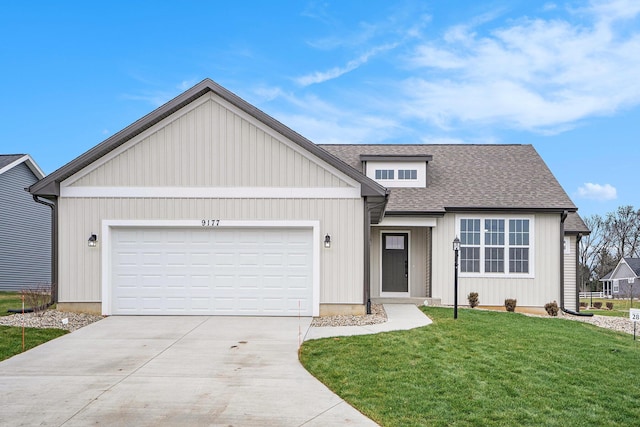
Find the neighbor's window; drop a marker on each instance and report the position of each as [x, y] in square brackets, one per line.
[384, 174]
[407, 174]
[489, 250]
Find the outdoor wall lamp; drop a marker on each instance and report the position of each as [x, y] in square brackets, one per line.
[456, 249]
[93, 241]
[327, 241]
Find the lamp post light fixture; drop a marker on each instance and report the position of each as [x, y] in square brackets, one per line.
[456, 249]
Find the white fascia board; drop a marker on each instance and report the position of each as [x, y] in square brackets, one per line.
[213, 192]
[408, 221]
[33, 166]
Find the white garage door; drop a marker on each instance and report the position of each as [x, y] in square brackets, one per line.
[212, 271]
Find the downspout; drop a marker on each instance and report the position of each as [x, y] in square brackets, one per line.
[563, 217]
[578, 273]
[54, 246]
[368, 207]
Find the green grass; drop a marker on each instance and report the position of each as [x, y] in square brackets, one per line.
[11, 339]
[9, 300]
[620, 307]
[485, 368]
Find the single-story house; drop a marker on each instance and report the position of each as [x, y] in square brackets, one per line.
[208, 205]
[624, 280]
[25, 227]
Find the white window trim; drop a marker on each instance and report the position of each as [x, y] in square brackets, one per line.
[396, 294]
[506, 274]
[108, 225]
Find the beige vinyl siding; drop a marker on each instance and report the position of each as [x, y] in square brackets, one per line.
[570, 280]
[341, 266]
[536, 291]
[210, 144]
[418, 253]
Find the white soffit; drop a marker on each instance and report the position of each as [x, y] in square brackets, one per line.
[407, 221]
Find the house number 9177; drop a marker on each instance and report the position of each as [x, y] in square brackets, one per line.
[210, 222]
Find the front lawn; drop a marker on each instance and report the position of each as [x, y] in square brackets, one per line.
[485, 368]
[11, 339]
[9, 300]
[620, 307]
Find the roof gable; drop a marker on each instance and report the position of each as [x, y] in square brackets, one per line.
[9, 161]
[50, 186]
[208, 143]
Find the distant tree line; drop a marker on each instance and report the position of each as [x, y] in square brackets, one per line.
[612, 237]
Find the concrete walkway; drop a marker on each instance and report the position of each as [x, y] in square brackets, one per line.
[174, 370]
[399, 317]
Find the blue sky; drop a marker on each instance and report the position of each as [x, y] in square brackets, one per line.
[563, 76]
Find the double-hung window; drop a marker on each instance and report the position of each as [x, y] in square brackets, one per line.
[495, 246]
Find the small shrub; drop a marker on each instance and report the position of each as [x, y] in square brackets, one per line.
[473, 299]
[583, 304]
[510, 304]
[37, 298]
[609, 305]
[597, 305]
[552, 308]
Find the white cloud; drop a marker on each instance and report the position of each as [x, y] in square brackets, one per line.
[597, 192]
[335, 72]
[325, 123]
[533, 74]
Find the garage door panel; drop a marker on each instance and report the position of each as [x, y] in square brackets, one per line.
[212, 271]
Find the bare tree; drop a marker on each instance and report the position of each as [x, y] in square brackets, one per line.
[623, 230]
[591, 247]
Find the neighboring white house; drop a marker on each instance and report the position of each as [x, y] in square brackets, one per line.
[209, 206]
[25, 226]
[624, 280]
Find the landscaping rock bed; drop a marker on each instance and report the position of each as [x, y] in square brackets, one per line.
[621, 324]
[50, 319]
[378, 315]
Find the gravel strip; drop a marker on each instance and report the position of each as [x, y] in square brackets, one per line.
[54, 319]
[620, 324]
[378, 315]
[50, 319]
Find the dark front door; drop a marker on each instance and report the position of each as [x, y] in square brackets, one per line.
[395, 262]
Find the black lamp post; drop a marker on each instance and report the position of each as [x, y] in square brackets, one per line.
[456, 249]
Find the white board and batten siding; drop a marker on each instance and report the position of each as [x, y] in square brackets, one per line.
[529, 291]
[210, 161]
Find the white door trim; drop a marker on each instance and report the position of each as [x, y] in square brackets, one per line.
[108, 225]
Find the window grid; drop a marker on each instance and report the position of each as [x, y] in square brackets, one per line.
[470, 245]
[385, 174]
[407, 174]
[490, 242]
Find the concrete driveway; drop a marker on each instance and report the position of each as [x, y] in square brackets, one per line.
[231, 371]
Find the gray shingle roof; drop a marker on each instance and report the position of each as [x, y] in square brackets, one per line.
[574, 224]
[6, 159]
[464, 176]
